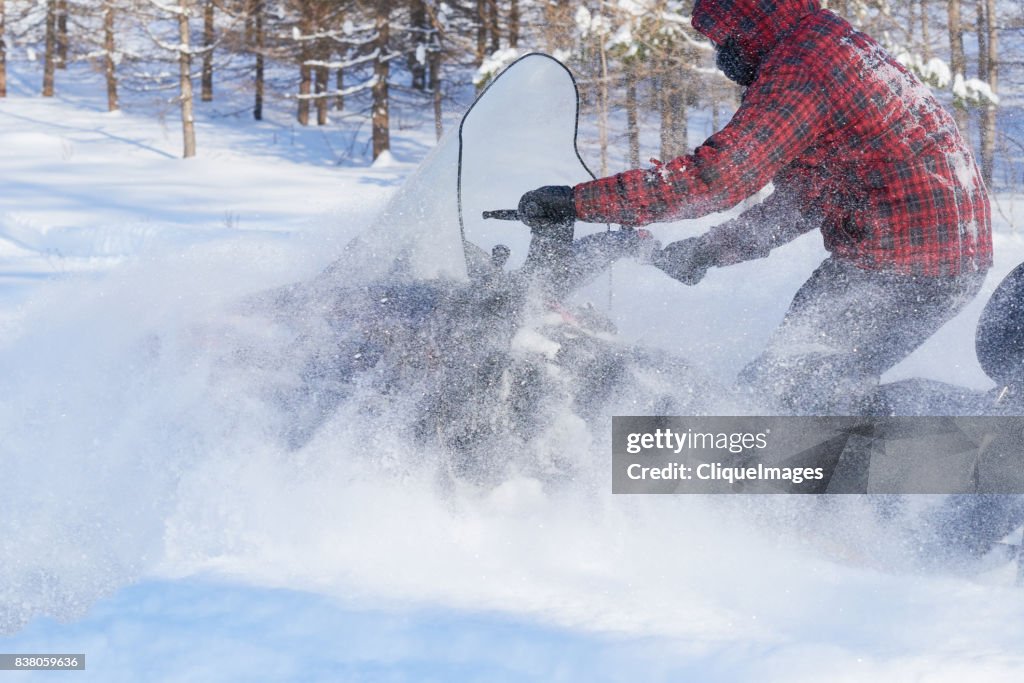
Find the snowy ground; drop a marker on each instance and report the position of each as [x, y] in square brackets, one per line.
[150, 521]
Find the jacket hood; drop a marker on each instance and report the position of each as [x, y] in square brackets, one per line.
[756, 25]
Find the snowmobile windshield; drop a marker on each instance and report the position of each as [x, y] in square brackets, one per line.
[518, 135]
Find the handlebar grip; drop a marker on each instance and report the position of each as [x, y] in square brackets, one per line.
[503, 214]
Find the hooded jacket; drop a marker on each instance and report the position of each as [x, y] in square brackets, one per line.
[852, 141]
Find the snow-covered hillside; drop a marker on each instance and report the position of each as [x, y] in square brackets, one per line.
[151, 518]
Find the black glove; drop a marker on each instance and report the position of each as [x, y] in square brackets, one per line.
[686, 260]
[548, 208]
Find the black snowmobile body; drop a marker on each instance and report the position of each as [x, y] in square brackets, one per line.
[488, 363]
[999, 344]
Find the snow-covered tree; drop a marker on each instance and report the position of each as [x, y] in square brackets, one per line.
[98, 29]
[645, 42]
[169, 28]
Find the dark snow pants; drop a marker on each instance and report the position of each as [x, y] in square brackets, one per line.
[845, 327]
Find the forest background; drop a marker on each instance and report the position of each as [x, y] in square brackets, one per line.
[639, 64]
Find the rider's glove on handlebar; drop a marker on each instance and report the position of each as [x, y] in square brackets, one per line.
[686, 260]
[548, 207]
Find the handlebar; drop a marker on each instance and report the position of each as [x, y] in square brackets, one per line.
[503, 214]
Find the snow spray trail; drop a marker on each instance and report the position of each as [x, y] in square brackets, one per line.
[108, 395]
[141, 435]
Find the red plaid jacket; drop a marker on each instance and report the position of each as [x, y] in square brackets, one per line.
[860, 146]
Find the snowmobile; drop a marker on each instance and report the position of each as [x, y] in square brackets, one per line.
[475, 333]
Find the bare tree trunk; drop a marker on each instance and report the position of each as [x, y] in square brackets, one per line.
[681, 137]
[305, 71]
[61, 61]
[492, 25]
[513, 23]
[305, 87]
[989, 29]
[208, 37]
[926, 40]
[50, 54]
[320, 86]
[380, 117]
[109, 45]
[982, 39]
[481, 32]
[632, 117]
[435, 90]
[669, 107]
[434, 56]
[418, 68]
[188, 126]
[602, 103]
[3, 48]
[667, 123]
[958, 63]
[259, 39]
[673, 117]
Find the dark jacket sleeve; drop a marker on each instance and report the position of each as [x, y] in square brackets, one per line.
[777, 220]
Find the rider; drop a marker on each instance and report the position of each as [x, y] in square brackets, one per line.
[855, 146]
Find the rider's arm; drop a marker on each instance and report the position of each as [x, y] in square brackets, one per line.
[781, 115]
[777, 220]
